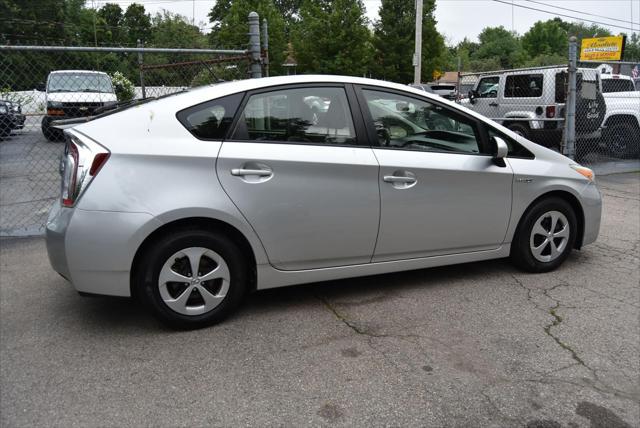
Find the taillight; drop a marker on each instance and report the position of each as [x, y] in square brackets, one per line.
[551, 111]
[83, 159]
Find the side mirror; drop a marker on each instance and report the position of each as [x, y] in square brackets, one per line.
[472, 96]
[499, 151]
[40, 87]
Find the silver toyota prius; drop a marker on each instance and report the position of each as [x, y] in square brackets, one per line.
[189, 202]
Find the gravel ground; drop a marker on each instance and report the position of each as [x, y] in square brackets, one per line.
[479, 344]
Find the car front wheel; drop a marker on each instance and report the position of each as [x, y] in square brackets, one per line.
[192, 278]
[545, 236]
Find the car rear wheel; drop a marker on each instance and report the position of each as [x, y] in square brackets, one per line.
[192, 278]
[545, 236]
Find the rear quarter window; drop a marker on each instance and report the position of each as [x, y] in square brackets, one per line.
[211, 120]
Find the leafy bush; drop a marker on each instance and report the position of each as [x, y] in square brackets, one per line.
[125, 90]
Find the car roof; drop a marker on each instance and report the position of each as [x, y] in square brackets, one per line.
[77, 72]
[225, 88]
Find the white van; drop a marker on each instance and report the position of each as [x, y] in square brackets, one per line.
[75, 93]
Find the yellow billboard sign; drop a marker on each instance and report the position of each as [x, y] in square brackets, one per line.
[602, 49]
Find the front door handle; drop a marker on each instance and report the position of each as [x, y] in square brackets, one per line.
[401, 179]
[493, 104]
[397, 179]
[240, 172]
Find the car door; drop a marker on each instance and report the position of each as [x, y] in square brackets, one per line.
[486, 101]
[441, 193]
[302, 178]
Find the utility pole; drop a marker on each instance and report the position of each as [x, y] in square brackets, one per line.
[417, 56]
[570, 120]
[255, 70]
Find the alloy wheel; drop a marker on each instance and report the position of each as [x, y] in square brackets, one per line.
[549, 236]
[194, 281]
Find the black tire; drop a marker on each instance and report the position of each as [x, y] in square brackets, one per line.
[521, 253]
[623, 139]
[50, 133]
[152, 262]
[520, 129]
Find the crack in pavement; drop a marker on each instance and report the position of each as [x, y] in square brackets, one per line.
[557, 320]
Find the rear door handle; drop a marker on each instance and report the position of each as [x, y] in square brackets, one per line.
[398, 179]
[494, 104]
[240, 172]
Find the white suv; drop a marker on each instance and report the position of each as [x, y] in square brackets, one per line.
[527, 100]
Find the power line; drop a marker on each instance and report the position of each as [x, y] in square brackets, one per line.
[564, 16]
[578, 11]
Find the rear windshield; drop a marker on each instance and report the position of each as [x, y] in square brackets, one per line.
[617, 85]
[443, 87]
[79, 82]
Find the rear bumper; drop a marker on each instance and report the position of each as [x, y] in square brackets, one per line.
[94, 250]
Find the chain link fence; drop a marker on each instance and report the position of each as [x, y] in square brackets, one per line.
[533, 103]
[41, 84]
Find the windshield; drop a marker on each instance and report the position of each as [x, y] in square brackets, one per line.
[79, 82]
[617, 85]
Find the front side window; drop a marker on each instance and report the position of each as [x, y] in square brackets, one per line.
[523, 86]
[488, 87]
[413, 124]
[314, 115]
[516, 150]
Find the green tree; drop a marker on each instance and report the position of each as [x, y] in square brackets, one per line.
[173, 30]
[230, 28]
[545, 38]
[137, 23]
[394, 41]
[632, 48]
[111, 16]
[332, 37]
[496, 43]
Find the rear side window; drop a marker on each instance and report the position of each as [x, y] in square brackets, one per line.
[211, 120]
[561, 87]
[523, 86]
[617, 85]
[314, 115]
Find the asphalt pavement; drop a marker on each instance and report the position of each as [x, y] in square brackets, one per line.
[479, 344]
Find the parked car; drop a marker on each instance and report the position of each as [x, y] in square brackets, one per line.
[612, 83]
[75, 93]
[191, 201]
[516, 98]
[421, 86]
[621, 130]
[17, 117]
[6, 119]
[445, 90]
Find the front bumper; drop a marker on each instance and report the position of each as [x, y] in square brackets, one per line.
[18, 120]
[592, 207]
[94, 250]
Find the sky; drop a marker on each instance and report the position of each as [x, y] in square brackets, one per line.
[457, 19]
